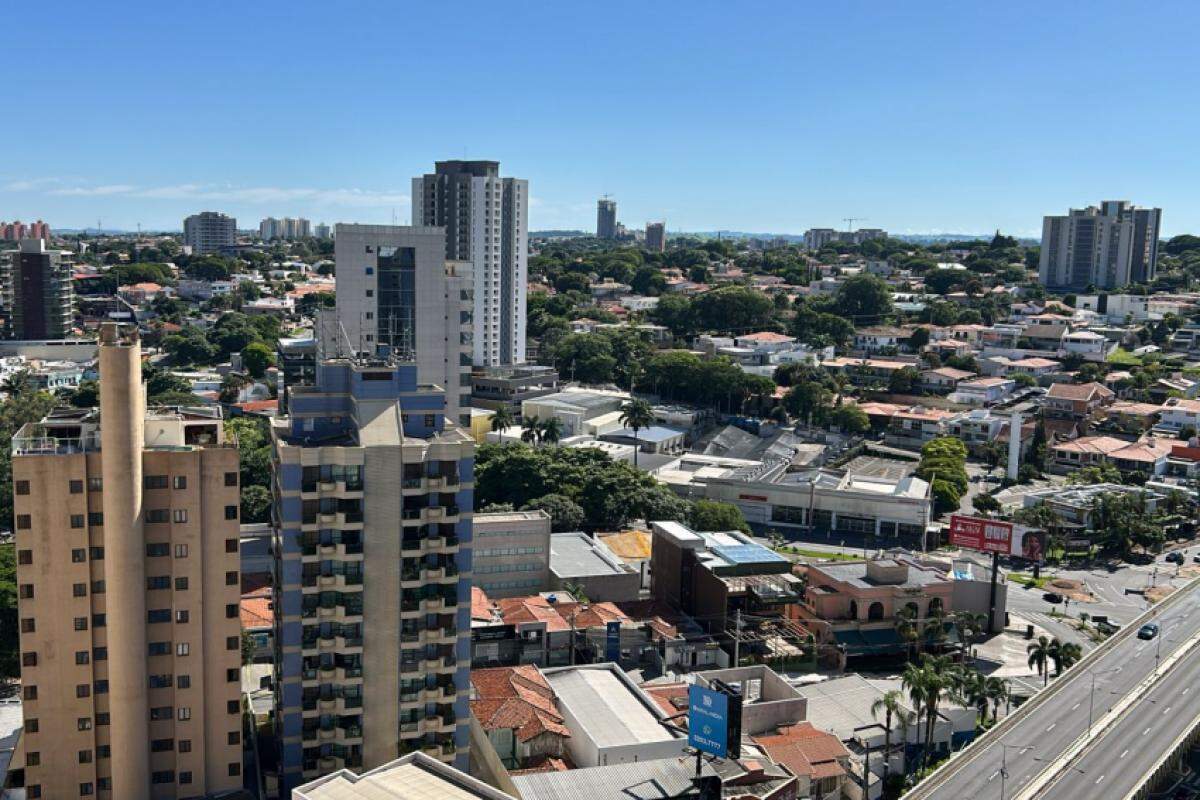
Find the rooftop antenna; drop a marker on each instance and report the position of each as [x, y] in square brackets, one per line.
[851, 220]
[393, 215]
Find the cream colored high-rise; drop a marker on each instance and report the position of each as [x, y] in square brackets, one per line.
[128, 583]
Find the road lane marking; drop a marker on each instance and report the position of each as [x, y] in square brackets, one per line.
[1167, 710]
[1185, 691]
[1075, 706]
[1099, 779]
[1052, 725]
[1125, 753]
[1145, 731]
[994, 774]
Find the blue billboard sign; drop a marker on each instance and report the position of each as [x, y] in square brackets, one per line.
[708, 720]
[612, 641]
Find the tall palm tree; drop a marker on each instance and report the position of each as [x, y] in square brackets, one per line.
[550, 431]
[503, 419]
[906, 626]
[939, 683]
[914, 680]
[1039, 657]
[934, 629]
[1064, 655]
[997, 692]
[970, 625]
[891, 703]
[529, 429]
[636, 414]
[974, 693]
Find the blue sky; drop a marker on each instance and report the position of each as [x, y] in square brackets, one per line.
[919, 117]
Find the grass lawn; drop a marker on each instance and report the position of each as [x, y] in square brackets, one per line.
[799, 551]
[1027, 580]
[1123, 358]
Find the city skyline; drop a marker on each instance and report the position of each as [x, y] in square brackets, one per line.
[925, 120]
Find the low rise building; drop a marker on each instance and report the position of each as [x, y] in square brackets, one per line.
[581, 562]
[1146, 456]
[983, 391]
[818, 759]
[516, 708]
[1077, 401]
[415, 776]
[512, 552]
[575, 408]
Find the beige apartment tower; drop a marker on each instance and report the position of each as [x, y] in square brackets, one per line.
[128, 583]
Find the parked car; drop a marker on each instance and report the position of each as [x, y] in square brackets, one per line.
[1052, 597]
[1175, 557]
[1148, 631]
[1196, 558]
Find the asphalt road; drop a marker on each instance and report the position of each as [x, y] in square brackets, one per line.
[1048, 731]
[1116, 762]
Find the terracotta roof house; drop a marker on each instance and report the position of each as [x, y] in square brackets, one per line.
[516, 708]
[1077, 400]
[818, 759]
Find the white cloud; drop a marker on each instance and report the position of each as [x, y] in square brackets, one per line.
[93, 191]
[31, 185]
[252, 195]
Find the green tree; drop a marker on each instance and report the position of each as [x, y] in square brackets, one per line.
[1040, 656]
[549, 430]
[256, 504]
[565, 513]
[1064, 655]
[943, 464]
[733, 309]
[86, 395]
[530, 428]
[714, 515]
[863, 298]
[809, 401]
[256, 357]
[635, 415]
[503, 418]
[850, 419]
[190, 346]
[891, 703]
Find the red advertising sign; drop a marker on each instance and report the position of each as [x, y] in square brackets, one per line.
[984, 535]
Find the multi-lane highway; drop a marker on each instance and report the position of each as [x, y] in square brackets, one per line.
[1004, 763]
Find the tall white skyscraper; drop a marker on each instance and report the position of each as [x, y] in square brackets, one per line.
[398, 291]
[486, 222]
[1106, 247]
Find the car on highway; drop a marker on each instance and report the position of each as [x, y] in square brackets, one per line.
[1148, 631]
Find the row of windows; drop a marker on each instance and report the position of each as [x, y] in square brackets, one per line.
[185, 648]
[154, 515]
[105, 784]
[95, 484]
[491, 569]
[484, 552]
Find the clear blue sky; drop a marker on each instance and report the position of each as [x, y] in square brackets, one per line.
[955, 116]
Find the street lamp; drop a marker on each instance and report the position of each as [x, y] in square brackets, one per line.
[1092, 696]
[1021, 748]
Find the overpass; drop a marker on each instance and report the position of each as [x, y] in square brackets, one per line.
[1106, 696]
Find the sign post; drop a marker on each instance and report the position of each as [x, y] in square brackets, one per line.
[998, 538]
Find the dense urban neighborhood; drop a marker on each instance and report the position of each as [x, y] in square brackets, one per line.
[879, 492]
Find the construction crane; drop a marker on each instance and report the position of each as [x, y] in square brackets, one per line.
[850, 222]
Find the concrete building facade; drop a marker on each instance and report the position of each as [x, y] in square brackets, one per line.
[373, 541]
[1106, 247]
[38, 291]
[209, 232]
[656, 236]
[512, 552]
[606, 218]
[486, 222]
[396, 290]
[129, 583]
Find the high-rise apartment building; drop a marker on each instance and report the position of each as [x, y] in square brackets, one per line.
[372, 516]
[17, 230]
[486, 218]
[397, 290]
[1106, 247]
[209, 232]
[322, 231]
[816, 238]
[606, 218]
[38, 291]
[128, 582]
[288, 228]
[656, 236]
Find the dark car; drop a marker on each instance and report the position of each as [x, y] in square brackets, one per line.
[1052, 597]
[1175, 557]
[1196, 558]
[1148, 631]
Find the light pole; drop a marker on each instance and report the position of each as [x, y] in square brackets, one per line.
[1004, 748]
[1092, 696]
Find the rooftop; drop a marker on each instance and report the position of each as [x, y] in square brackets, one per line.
[611, 710]
[517, 699]
[416, 776]
[578, 555]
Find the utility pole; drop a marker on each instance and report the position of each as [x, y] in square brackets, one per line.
[737, 636]
[573, 638]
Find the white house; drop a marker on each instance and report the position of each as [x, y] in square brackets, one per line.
[983, 391]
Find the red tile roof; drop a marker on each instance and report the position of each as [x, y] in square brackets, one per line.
[806, 751]
[256, 610]
[517, 699]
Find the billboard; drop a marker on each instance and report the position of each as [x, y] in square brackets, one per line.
[996, 536]
[612, 640]
[708, 720]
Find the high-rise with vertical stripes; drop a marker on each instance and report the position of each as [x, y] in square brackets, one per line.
[486, 218]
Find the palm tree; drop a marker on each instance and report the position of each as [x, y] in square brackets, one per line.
[997, 693]
[934, 629]
[914, 680]
[1064, 655]
[1039, 657]
[891, 703]
[906, 626]
[529, 430]
[636, 414]
[974, 693]
[550, 431]
[16, 383]
[970, 624]
[503, 419]
[939, 682]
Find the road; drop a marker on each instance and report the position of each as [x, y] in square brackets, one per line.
[1045, 733]
[1117, 761]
